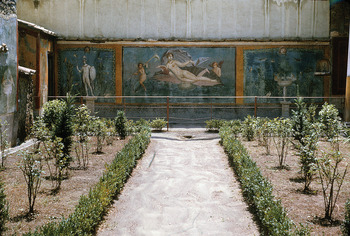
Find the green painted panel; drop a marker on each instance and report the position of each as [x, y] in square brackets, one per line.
[157, 71]
[263, 69]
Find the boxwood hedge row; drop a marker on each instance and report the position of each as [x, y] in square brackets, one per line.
[257, 190]
[92, 207]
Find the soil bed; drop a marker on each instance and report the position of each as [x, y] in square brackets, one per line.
[288, 186]
[50, 207]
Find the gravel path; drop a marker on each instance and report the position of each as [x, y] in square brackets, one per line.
[182, 186]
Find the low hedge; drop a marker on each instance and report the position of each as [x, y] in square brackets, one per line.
[346, 223]
[257, 190]
[92, 207]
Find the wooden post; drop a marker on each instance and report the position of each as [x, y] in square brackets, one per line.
[347, 91]
[255, 106]
[167, 113]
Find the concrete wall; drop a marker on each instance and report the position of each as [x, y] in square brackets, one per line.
[8, 67]
[181, 19]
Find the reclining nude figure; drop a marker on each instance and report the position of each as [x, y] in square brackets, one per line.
[179, 68]
[184, 75]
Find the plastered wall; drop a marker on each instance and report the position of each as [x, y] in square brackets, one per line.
[246, 69]
[180, 19]
[8, 66]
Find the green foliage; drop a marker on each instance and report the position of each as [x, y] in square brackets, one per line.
[248, 128]
[31, 167]
[307, 152]
[100, 131]
[53, 156]
[110, 131]
[91, 208]
[158, 124]
[306, 131]
[234, 126]
[330, 120]
[332, 178]
[58, 118]
[120, 124]
[82, 130]
[265, 130]
[281, 129]
[256, 189]
[346, 223]
[302, 119]
[3, 141]
[214, 124]
[4, 209]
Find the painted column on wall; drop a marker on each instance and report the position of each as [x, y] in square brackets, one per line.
[8, 57]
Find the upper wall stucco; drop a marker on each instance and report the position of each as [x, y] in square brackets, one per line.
[181, 19]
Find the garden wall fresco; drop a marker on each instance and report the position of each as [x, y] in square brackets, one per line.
[87, 72]
[8, 65]
[178, 71]
[265, 69]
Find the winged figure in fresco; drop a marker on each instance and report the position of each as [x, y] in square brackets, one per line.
[178, 67]
[88, 76]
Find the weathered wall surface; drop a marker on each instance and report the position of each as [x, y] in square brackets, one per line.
[8, 65]
[145, 69]
[181, 19]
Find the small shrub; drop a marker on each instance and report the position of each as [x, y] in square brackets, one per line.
[92, 207]
[306, 131]
[214, 124]
[307, 152]
[3, 141]
[248, 128]
[256, 189]
[110, 131]
[100, 132]
[234, 126]
[4, 209]
[302, 118]
[331, 178]
[281, 129]
[58, 118]
[82, 129]
[158, 124]
[346, 223]
[330, 120]
[120, 124]
[31, 168]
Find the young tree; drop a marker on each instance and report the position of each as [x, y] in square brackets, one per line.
[281, 129]
[31, 168]
[306, 131]
[120, 124]
[82, 130]
[58, 118]
[100, 132]
[307, 152]
[330, 120]
[332, 178]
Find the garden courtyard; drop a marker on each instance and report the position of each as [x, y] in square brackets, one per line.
[258, 176]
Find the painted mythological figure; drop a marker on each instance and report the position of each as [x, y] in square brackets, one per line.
[179, 68]
[7, 82]
[88, 76]
[141, 71]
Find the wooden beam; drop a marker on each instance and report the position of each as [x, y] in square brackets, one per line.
[347, 91]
